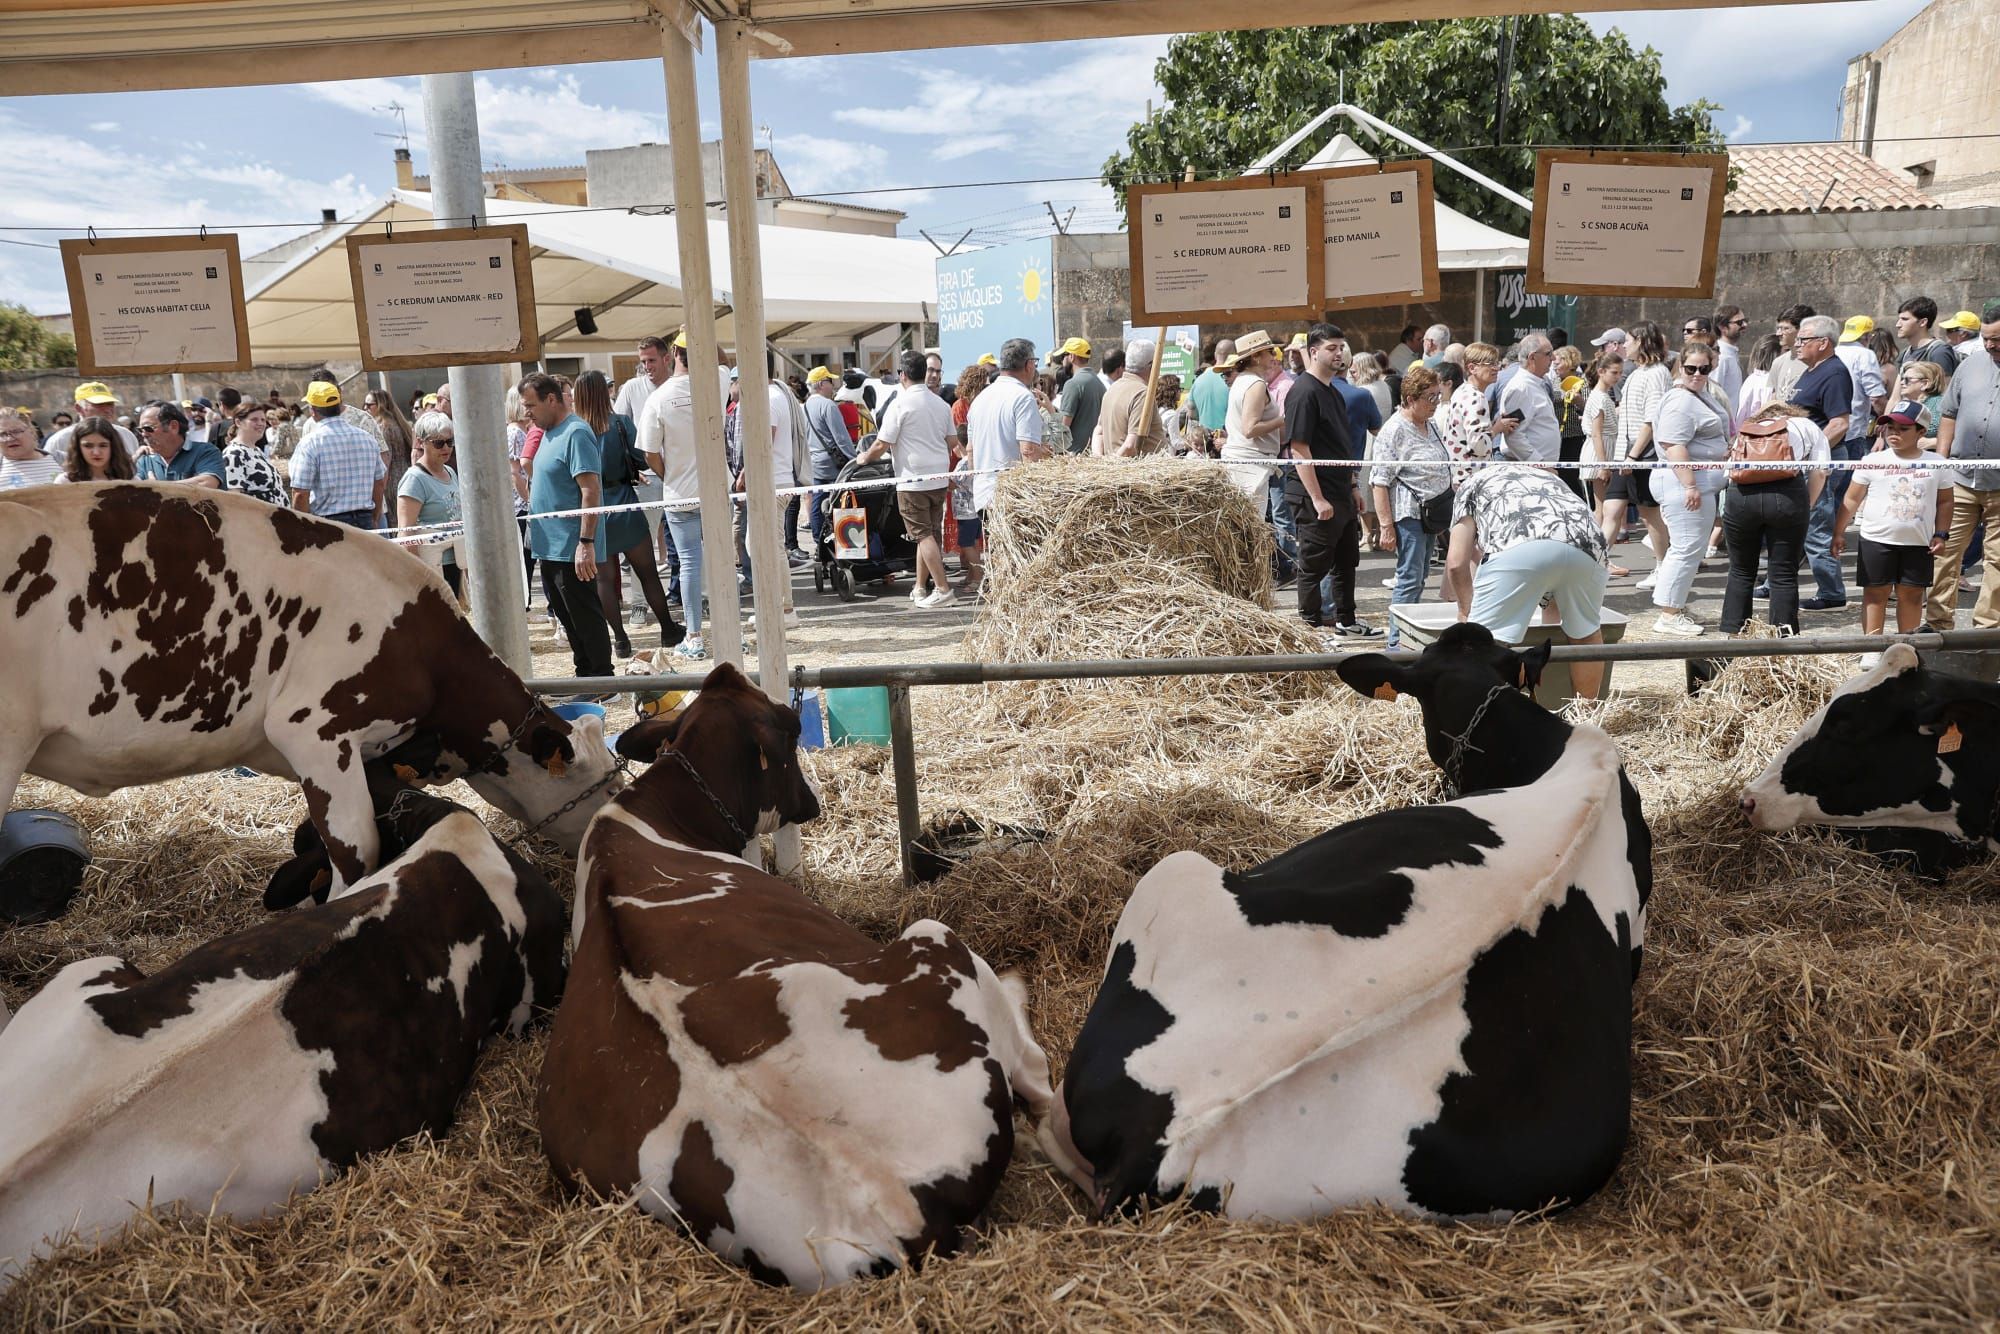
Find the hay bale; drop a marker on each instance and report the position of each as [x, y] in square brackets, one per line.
[1814, 1139]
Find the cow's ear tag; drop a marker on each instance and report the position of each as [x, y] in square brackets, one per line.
[1950, 740]
[406, 773]
[1385, 691]
[558, 766]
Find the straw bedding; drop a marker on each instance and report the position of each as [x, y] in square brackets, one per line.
[1814, 1140]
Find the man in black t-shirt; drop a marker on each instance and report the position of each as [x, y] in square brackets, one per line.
[1826, 392]
[1325, 502]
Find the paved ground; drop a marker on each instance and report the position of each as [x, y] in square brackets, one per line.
[882, 626]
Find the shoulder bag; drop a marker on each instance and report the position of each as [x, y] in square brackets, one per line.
[1435, 514]
[1765, 457]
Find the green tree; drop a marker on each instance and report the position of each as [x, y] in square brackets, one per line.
[1234, 96]
[26, 343]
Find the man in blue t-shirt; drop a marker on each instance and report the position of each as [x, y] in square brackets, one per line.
[566, 477]
[1826, 392]
[163, 428]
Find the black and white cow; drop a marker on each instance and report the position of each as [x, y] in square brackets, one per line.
[1907, 755]
[1427, 1008]
[148, 632]
[261, 1063]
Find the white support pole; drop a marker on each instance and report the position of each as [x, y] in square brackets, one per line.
[746, 288]
[1479, 306]
[718, 533]
[491, 547]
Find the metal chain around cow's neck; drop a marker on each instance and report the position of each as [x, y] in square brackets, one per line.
[742, 839]
[620, 766]
[1454, 764]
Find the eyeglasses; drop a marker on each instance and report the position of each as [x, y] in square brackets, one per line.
[1815, 338]
[147, 430]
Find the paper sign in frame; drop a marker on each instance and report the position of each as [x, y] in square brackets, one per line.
[529, 346]
[74, 251]
[1433, 288]
[1547, 158]
[1315, 243]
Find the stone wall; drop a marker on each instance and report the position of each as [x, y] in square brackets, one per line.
[1840, 264]
[44, 392]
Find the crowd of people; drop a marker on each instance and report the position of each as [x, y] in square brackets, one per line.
[1510, 475]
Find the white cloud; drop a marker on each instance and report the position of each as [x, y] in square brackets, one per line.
[541, 119]
[168, 191]
[812, 163]
[1740, 130]
[951, 150]
[104, 127]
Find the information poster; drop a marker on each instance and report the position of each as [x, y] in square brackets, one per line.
[157, 304]
[1180, 351]
[1225, 251]
[1381, 235]
[1626, 224]
[460, 296]
[987, 296]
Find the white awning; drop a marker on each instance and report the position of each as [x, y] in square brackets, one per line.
[1464, 242]
[819, 287]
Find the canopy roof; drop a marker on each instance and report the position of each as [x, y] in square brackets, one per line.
[1463, 242]
[820, 288]
[100, 46]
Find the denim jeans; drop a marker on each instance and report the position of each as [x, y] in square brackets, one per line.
[1413, 566]
[1819, 527]
[1687, 537]
[684, 536]
[1282, 525]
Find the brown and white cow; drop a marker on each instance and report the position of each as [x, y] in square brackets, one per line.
[263, 1062]
[154, 631]
[807, 1102]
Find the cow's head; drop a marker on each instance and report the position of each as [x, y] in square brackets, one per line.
[1900, 745]
[556, 760]
[1467, 675]
[403, 814]
[745, 747]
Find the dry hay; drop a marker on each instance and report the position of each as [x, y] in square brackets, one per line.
[1814, 1140]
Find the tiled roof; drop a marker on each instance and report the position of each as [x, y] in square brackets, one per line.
[1794, 178]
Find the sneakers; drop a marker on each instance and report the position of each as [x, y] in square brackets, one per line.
[1390, 582]
[1678, 623]
[939, 597]
[1652, 577]
[1761, 592]
[690, 649]
[918, 596]
[1822, 604]
[797, 559]
[1357, 630]
[791, 620]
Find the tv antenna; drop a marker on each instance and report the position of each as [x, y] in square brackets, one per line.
[402, 134]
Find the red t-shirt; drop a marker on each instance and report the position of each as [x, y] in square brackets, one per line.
[851, 414]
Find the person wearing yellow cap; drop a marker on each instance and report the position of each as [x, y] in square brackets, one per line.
[830, 446]
[1864, 370]
[94, 398]
[1082, 398]
[1962, 332]
[337, 470]
[988, 359]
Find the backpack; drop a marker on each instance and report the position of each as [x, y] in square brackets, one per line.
[1763, 458]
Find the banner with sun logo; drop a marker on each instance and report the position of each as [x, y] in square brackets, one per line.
[986, 297]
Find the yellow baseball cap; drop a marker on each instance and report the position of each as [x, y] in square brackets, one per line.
[1076, 347]
[430, 400]
[1298, 343]
[320, 394]
[988, 359]
[1858, 326]
[1964, 320]
[681, 340]
[819, 375]
[96, 391]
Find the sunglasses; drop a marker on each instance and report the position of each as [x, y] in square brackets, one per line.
[1697, 370]
[147, 430]
[1691, 330]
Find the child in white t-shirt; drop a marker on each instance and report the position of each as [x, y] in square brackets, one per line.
[1905, 517]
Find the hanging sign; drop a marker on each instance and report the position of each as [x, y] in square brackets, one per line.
[1180, 350]
[1626, 224]
[1380, 224]
[145, 305]
[1224, 251]
[453, 296]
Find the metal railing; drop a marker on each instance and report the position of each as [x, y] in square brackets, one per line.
[900, 678]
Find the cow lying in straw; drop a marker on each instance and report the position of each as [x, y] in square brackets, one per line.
[1905, 757]
[805, 1101]
[262, 1062]
[1427, 1008]
[157, 631]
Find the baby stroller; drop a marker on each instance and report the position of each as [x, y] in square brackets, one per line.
[889, 550]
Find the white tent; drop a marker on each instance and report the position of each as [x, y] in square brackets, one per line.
[1463, 243]
[820, 288]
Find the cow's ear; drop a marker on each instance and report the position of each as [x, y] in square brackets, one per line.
[1529, 664]
[1374, 675]
[1956, 712]
[644, 741]
[548, 746]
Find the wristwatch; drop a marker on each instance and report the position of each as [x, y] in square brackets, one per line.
[1942, 535]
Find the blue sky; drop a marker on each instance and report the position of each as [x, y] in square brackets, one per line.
[928, 120]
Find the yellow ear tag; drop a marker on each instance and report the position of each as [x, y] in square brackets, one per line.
[557, 766]
[1385, 691]
[1950, 740]
[406, 773]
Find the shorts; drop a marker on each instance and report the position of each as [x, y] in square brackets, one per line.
[1882, 564]
[923, 513]
[1632, 487]
[968, 532]
[1510, 586]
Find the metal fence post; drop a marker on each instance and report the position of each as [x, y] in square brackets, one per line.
[903, 753]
